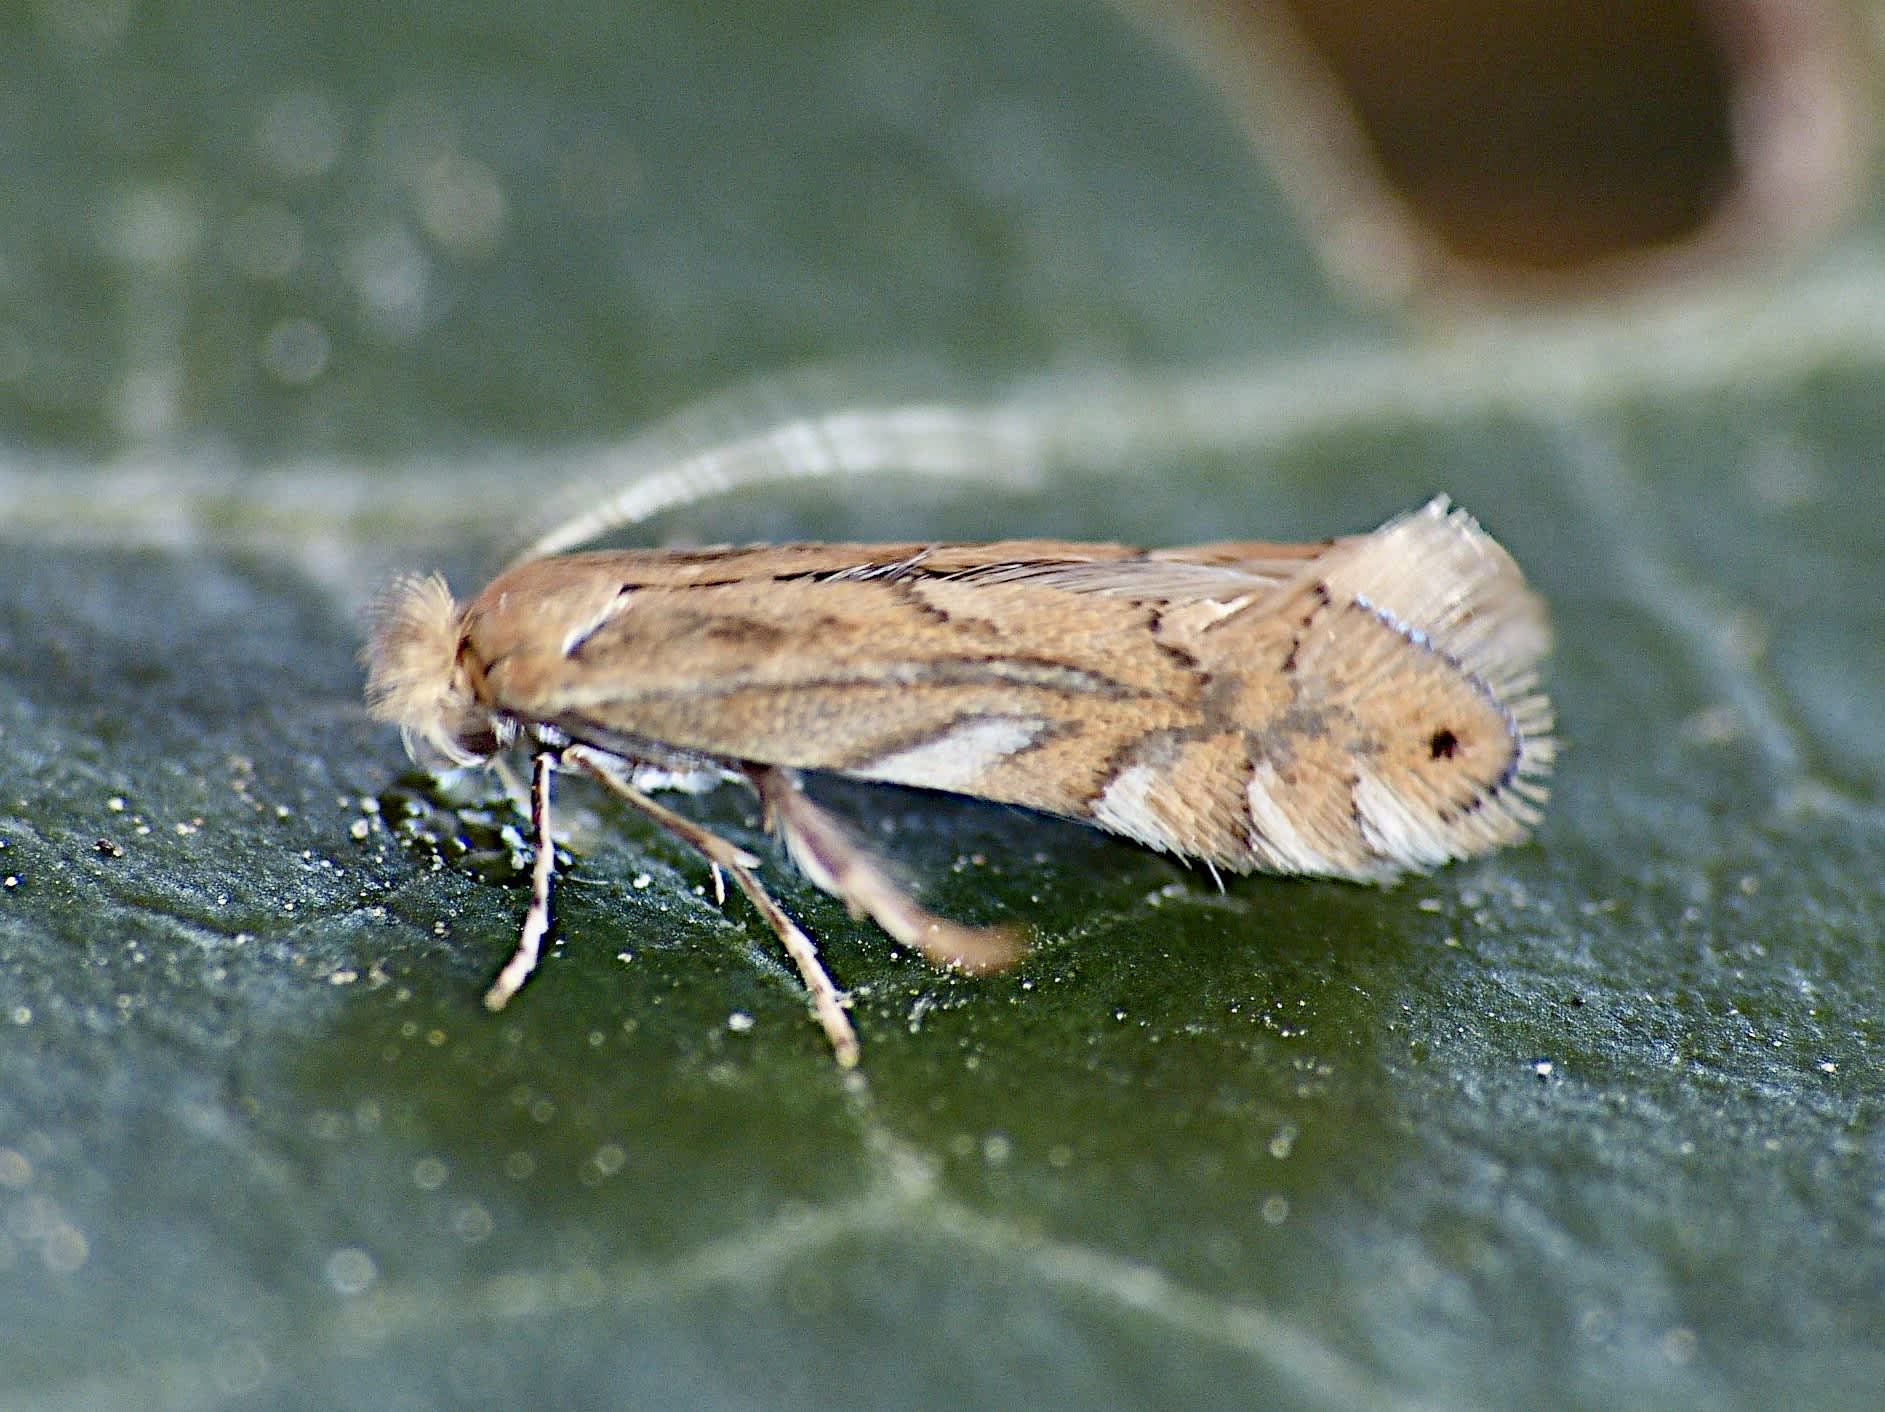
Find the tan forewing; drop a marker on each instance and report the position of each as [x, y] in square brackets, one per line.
[1014, 692]
[1350, 708]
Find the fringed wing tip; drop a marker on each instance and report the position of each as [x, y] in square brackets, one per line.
[1458, 584]
[1444, 584]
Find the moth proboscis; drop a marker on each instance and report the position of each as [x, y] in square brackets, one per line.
[1356, 708]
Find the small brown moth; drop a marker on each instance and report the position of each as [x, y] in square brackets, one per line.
[1356, 708]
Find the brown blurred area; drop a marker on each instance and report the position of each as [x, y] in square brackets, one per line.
[1540, 146]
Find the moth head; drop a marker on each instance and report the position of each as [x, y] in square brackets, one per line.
[417, 679]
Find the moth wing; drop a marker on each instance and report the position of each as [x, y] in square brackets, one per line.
[917, 680]
[1148, 578]
[1448, 582]
[1428, 640]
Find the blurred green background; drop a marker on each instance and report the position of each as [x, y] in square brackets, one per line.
[291, 297]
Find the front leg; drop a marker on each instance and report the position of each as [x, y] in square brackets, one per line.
[537, 919]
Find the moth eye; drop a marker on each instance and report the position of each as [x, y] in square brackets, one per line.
[1444, 745]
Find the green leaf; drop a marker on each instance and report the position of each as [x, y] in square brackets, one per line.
[297, 297]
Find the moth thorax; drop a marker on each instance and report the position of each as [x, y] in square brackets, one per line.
[416, 679]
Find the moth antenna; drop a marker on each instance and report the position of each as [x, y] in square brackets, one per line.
[669, 467]
[413, 677]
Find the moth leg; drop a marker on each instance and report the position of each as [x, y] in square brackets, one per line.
[826, 853]
[827, 999]
[514, 789]
[704, 841]
[537, 919]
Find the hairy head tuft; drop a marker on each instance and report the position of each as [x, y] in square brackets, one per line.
[414, 679]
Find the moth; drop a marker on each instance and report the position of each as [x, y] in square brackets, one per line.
[1355, 708]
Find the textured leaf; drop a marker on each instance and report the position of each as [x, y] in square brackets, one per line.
[294, 297]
